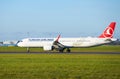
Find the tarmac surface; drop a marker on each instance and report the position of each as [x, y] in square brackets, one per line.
[59, 53]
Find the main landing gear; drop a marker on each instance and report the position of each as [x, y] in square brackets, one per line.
[67, 50]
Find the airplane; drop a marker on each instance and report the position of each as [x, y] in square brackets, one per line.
[60, 44]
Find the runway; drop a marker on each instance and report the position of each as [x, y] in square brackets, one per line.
[59, 53]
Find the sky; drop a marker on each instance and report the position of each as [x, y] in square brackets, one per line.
[48, 18]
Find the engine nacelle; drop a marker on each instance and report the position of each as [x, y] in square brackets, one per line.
[47, 48]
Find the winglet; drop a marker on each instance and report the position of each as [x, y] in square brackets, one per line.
[58, 38]
[109, 31]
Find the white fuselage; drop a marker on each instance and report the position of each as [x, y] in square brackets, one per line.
[70, 42]
[65, 43]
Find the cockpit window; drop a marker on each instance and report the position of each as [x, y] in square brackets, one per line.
[20, 41]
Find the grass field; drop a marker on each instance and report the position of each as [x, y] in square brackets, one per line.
[91, 49]
[59, 66]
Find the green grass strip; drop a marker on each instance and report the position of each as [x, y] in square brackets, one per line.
[59, 66]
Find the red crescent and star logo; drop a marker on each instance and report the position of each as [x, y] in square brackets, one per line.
[108, 32]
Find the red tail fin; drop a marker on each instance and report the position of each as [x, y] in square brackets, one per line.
[109, 31]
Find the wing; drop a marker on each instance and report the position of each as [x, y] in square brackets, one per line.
[57, 45]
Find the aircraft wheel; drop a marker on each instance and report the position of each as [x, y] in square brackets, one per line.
[61, 51]
[68, 50]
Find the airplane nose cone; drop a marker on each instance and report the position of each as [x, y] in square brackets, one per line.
[19, 44]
